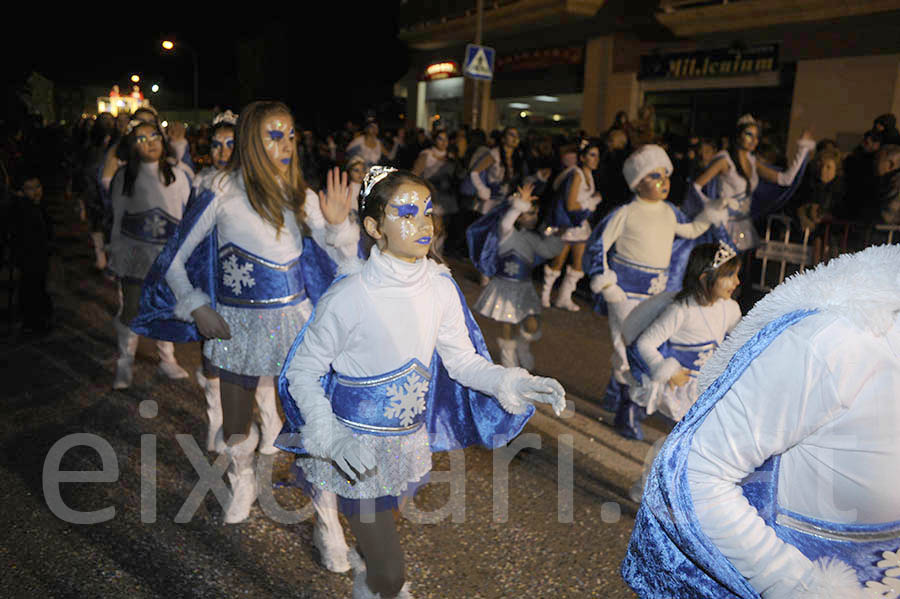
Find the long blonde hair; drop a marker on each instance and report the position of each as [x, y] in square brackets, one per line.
[267, 191]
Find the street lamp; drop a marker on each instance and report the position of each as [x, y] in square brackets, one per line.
[169, 45]
[154, 88]
[135, 78]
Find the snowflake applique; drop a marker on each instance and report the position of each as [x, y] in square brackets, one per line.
[155, 226]
[889, 587]
[407, 401]
[511, 268]
[237, 276]
[702, 357]
[658, 284]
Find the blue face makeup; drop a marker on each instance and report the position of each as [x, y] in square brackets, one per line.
[216, 144]
[285, 161]
[406, 210]
[276, 135]
[423, 240]
[428, 208]
[656, 176]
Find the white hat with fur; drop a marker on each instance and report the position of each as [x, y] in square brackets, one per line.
[643, 161]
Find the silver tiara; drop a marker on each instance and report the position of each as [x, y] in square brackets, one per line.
[375, 174]
[723, 255]
[134, 123]
[227, 117]
[747, 119]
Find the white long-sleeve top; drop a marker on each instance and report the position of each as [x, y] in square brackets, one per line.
[376, 320]
[238, 223]
[132, 257]
[823, 395]
[686, 322]
[643, 232]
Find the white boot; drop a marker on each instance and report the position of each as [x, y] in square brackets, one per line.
[270, 421]
[564, 298]
[361, 589]
[507, 352]
[212, 391]
[328, 535]
[167, 364]
[128, 342]
[99, 251]
[523, 349]
[242, 477]
[550, 277]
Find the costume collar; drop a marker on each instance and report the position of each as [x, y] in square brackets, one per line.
[384, 270]
[863, 287]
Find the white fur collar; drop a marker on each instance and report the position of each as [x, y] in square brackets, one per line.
[863, 287]
[353, 265]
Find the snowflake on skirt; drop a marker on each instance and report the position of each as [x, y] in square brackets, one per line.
[889, 587]
[511, 269]
[407, 401]
[658, 284]
[237, 275]
[155, 226]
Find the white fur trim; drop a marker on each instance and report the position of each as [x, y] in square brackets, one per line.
[643, 315]
[663, 371]
[714, 216]
[863, 287]
[613, 294]
[830, 578]
[351, 266]
[644, 161]
[247, 446]
[520, 204]
[189, 303]
[604, 279]
[341, 234]
[506, 393]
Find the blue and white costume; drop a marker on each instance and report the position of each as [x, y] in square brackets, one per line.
[510, 295]
[574, 224]
[399, 336]
[372, 155]
[487, 184]
[683, 335]
[781, 480]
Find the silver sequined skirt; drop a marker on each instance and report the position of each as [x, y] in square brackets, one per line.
[401, 460]
[133, 259]
[260, 338]
[505, 300]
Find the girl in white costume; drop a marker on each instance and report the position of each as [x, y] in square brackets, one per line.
[368, 145]
[574, 204]
[666, 356]
[509, 297]
[260, 210]
[221, 146]
[148, 199]
[738, 176]
[395, 315]
[437, 167]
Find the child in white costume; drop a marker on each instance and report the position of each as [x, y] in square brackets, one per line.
[148, 199]
[221, 146]
[641, 235]
[781, 482]
[509, 297]
[268, 229]
[379, 329]
[666, 356]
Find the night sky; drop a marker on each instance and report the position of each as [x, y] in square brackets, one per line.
[331, 62]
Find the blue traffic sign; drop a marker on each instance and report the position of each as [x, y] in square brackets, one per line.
[479, 62]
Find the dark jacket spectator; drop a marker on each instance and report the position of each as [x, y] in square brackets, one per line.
[860, 179]
[888, 190]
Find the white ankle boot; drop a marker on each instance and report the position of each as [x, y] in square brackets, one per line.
[328, 535]
[507, 352]
[550, 277]
[564, 299]
[127, 342]
[270, 421]
[167, 364]
[212, 391]
[242, 477]
[523, 348]
[360, 589]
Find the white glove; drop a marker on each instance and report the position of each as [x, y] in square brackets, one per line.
[484, 192]
[613, 294]
[351, 456]
[603, 280]
[715, 216]
[540, 389]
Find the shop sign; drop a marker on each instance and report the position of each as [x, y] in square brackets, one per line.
[441, 70]
[721, 62]
[531, 60]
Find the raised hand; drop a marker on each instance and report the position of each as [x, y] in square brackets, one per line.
[680, 378]
[525, 192]
[335, 202]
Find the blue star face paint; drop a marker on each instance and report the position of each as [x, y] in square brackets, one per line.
[407, 229]
[277, 132]
[276, 135]
[221, 147]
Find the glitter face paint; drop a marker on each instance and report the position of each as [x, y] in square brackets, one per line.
[407, 229]
[221, 147]
[278, 139]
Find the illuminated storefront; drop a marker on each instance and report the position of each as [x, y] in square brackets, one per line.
[115, 102]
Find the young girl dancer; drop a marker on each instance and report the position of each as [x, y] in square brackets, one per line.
[391, 334]
[508, 253]
[737, 175]
[666, 356]
[148, 199]
[575, 202]
[221, 146]
[250, 294]
[634, 254]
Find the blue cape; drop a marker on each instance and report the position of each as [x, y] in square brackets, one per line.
[156, 318]
[457, 417]
[592, 263]
[669, 555]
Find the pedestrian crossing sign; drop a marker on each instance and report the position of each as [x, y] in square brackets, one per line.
[479, 62]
